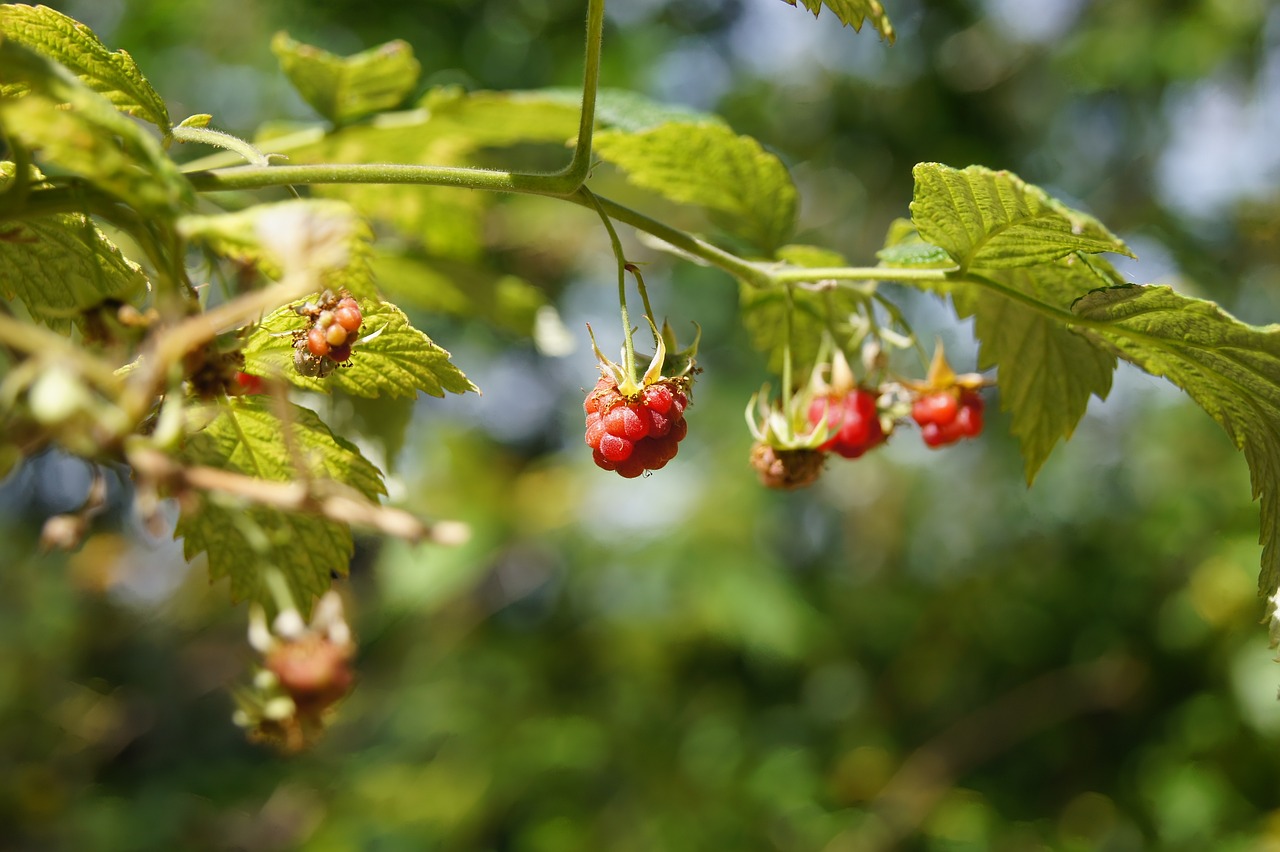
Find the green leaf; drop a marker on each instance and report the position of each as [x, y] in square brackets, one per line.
[991, 219]
[346, 88]
[73, 129]
[1047, 372]
[748, 190]
[60, 266]
[332, 239]
[391, 358]
[242, 539]
[852, 13]
[816, 313]
[114, 75]
[1230, 369]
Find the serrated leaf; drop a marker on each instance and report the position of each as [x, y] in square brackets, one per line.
[448, 128]
[852, 13]
[992, 219]
[61, 265]
[242, 540]
[323, 235]
[114, 75]
[748, 190]
[46, 110]
[815, 314]
[1231, 370]
[346, 88]
[391, 358]
[1047, 372]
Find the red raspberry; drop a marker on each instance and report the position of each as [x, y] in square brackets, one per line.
[965, 420]
[341, 353]
[853, 422]
[249, 384]
[631, 436]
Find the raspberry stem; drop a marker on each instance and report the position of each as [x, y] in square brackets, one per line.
[628, 386]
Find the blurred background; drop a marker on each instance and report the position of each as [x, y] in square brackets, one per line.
[919, 652]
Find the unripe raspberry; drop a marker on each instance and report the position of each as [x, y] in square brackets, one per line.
[336, 335]
[317, 342]
[348, 315]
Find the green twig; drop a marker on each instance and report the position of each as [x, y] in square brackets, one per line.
[628, 346]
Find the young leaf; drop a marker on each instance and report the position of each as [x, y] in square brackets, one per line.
[46, 110]
[1230, 369]
[991, 219]
[391, 358]
[248, 437]
[114, 75]
[853, 13]
[903, 248]
[748, 190]
[326, 236]
[346, 88]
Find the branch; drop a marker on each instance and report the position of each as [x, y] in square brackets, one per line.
[326, 498]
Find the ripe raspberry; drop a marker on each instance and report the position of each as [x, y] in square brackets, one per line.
[630, 436]
[248, 383]
[853, 422]
[945, 417]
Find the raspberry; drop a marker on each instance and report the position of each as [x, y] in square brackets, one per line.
[335, 334]
[347, 314]
[853, 422]
[631, 436]
[341, 353]
[248, 383]
[937, 428]
[786, 469]
[317, 343]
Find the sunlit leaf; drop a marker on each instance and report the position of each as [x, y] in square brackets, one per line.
[392, 358]
[114, 75]
[61, 265]
[242, 539]
[1231, 370]
[991, 219]
[748, 190]
[71, 128]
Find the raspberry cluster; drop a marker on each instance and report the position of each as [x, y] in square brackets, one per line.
[335, 326]
[947, 416]
[853, 422]
[633, 435]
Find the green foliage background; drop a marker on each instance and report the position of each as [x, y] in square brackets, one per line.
[687, 661]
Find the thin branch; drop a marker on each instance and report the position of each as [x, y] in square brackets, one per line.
[325, 498]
